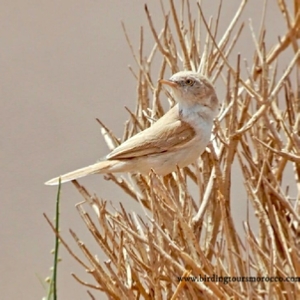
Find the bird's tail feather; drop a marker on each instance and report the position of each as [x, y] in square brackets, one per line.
[100, 167]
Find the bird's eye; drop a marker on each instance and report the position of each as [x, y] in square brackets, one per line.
[189, 82]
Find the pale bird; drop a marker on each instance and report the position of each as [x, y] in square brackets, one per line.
[177, 139]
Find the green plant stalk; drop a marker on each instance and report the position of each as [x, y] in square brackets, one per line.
[53, 286]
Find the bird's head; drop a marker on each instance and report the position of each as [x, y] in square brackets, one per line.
[191, 89]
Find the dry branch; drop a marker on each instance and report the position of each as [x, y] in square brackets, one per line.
[181, 236]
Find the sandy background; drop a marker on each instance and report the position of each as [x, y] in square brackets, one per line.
[64, 63]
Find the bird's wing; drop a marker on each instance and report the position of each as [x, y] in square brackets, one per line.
[168, 133]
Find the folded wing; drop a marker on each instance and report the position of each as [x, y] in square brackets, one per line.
[168, 133]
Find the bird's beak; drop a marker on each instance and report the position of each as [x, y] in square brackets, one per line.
[170, 83]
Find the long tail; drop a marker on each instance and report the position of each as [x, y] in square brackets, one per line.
[100, 167]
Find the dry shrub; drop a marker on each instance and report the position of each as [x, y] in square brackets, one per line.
[186, 236]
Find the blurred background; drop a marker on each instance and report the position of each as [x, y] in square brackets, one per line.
[64, 64]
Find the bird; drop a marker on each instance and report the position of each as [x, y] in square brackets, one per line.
[178, 138]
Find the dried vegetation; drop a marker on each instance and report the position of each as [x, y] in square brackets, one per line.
[180, 235]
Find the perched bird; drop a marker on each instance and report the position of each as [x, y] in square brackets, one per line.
[177, 139]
